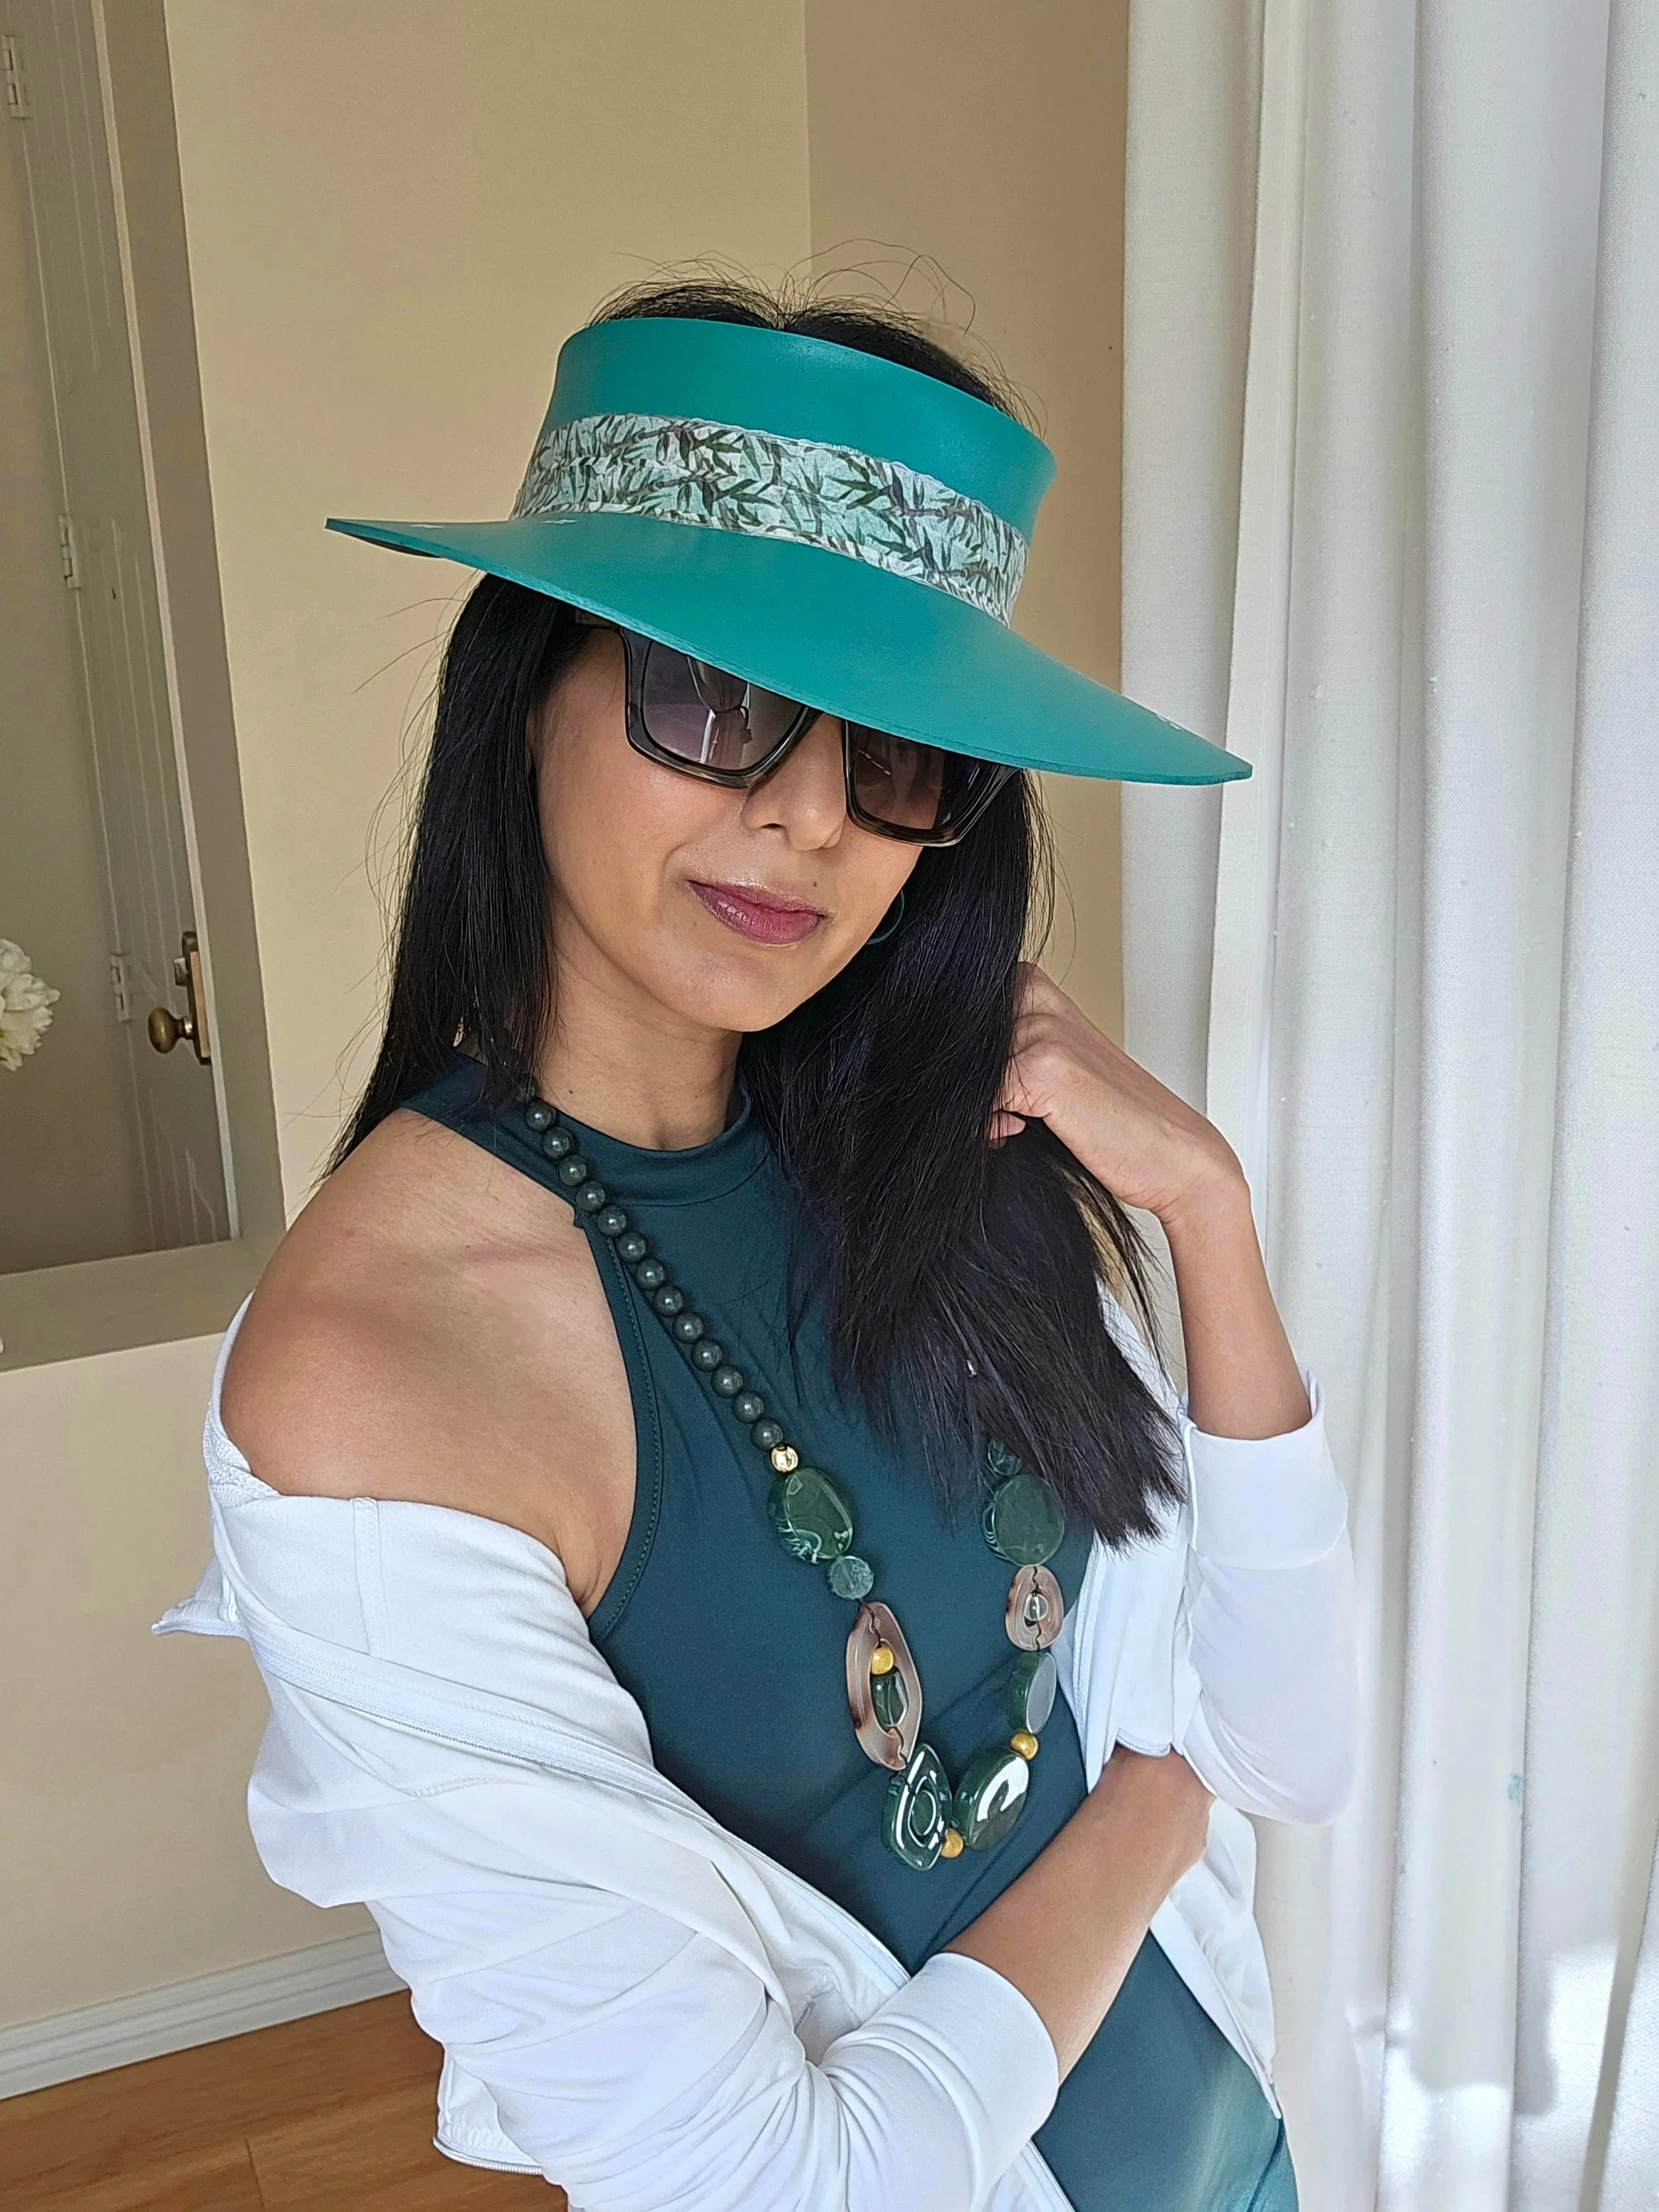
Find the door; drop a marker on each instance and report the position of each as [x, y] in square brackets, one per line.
[57, 93]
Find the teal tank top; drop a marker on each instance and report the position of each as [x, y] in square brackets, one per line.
[735, 1653]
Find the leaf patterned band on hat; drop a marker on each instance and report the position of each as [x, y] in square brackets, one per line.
[765, 485]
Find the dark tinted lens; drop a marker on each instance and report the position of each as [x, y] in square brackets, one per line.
[914, 786]
[706, 717]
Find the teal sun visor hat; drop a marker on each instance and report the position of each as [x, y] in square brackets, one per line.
[830, 524]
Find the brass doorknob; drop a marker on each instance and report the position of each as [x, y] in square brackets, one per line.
[164, 1027]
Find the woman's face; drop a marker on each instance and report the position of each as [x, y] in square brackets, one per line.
[729, 907]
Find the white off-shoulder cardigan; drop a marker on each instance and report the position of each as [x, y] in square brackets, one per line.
[632, 2000]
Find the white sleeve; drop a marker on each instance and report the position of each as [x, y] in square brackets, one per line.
[1270, 1720]
[1270, 1620]
[636, 2061]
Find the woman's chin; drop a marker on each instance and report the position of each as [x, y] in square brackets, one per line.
[749, 991]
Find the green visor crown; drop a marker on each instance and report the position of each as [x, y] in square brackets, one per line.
[840, 528]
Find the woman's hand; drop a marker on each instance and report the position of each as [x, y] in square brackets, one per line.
[1148, 1146]
[1151, 1149]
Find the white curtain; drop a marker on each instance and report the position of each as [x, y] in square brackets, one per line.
[1391, 531]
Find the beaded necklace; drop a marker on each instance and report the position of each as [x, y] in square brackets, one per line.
[924, 1819]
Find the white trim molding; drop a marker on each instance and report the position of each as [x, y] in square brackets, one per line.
[36, 2053]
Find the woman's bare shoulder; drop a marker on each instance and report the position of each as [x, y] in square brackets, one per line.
[432, 1328]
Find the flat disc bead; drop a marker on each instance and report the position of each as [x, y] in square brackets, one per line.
[852, 1577]
[1033, 1681]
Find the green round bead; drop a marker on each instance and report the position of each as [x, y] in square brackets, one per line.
[918, 1810]
[728, 1381]
[557, 1142]
[668, 1301]
[632, 1247]
[687, 1326]
[539, 1115]
[749, 1405]
[707, 1355]
[1032, 1682]
[850, 1577]
[590, 1197]
[611, 1221]
[572, 1171]
[649, 1274]
[990, 1797]
[1025, 1522]
[813, 1521]
[767, 1435]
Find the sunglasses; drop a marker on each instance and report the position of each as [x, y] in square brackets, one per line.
[723, 729]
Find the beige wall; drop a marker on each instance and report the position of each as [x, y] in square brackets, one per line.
[990, 137]
[397, 209]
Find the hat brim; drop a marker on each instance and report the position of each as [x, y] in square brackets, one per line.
[835, 633]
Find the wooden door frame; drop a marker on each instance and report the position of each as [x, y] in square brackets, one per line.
[103, 1305]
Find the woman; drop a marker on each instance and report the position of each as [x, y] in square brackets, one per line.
[708, 1325]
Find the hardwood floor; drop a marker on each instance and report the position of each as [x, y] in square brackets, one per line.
[330, 2114]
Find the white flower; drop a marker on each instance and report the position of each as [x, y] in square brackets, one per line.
[26, 1005]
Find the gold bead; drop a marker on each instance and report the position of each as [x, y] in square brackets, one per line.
[1024, 1742]
[951, 1847]
[881, 1659]
[785, 1458]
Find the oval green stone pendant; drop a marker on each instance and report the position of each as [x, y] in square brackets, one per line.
[1032, 1682]
[813, 1520]
[918, 1810]
[990, 1798]
[1025, 1522]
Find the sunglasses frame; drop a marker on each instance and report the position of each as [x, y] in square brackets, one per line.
[636, 645]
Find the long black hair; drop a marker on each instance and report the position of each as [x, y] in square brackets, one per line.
[963, 1278]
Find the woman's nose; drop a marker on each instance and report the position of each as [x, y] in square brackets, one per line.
[805, 794]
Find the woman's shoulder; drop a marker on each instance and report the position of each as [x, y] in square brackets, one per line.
[433, 1328]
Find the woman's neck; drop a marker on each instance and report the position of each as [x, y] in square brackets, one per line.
[623, 1062]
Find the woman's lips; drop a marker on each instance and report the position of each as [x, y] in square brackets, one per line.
[763, 915]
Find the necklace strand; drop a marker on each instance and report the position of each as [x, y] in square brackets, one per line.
[924, 1819]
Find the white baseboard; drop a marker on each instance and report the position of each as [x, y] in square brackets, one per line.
[38, 2052]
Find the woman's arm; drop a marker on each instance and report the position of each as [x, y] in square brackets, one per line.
[1067, 1932]
[1242, 1375]
[639, 2062]
[1271, 1722]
